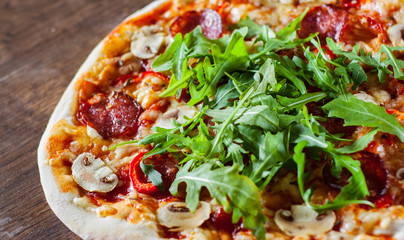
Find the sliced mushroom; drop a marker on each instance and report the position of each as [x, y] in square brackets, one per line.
[146, 42]
[93, 174]
[396, 34]
[177, 216]
[178, 113]
[304, 220]
[366, 97]
[400, 173]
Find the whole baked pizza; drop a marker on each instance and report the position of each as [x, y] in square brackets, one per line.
[244, 119]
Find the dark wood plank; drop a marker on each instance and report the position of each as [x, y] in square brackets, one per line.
[42, 45]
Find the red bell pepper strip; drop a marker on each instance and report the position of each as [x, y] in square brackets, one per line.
[138, 178]
[138, 78]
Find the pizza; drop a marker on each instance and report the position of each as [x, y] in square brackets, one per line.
[244, 119]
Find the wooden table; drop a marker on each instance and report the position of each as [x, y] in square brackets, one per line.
[42, 45]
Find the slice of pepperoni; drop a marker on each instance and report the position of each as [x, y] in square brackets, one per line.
[363, 28]
[375, 174]
[111, 114]
[327, 20]
[211, 24]
[210, 21]
[337, 23]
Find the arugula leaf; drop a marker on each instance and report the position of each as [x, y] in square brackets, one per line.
[221, 115]
[260, 116]
[153, 175]
[264, 99]
[356, 112]
[199, 46]
[290, 30]
[352, 193]
[252, 138]
[216, 142]
[322, 75]
[358, 74]
[263, 31]
[267, 70]
[230, 189]
[164, 61]
[377, 62]
[287, 68]
[224, 94]
[235, 151]
[358, 145]
[287, 119]
[299, 102]
[235, 57]
[300, 133]
[270, 158]
[391, 60]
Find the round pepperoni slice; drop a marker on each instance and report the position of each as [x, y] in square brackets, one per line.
[211, 24]
[111, 114]
[337, 23]
[375, 174]
[327, 20]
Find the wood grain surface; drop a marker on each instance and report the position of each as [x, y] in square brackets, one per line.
[42, 45]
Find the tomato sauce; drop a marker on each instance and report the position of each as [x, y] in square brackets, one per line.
[222, 221]
[117, 194]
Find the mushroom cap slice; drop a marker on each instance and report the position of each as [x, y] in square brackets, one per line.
[302, 220]
[396, 34]
[146, 42]
[177, 215]
[93, 174]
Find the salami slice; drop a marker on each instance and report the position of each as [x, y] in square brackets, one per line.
[327, 20]
[339, 24]
[375, 174]
[111, 114]
[211, 24]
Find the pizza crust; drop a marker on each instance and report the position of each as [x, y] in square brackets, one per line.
[83, 223]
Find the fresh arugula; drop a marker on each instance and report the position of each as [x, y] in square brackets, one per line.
[356, 112]
[352, 193]
[380, 62]
[358, 145]
[257, 100]
[230, 189]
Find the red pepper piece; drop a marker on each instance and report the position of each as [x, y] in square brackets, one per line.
[138, 178]
[390, 111]
[140, 77]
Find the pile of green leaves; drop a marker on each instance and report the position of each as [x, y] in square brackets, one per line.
[257, 101]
